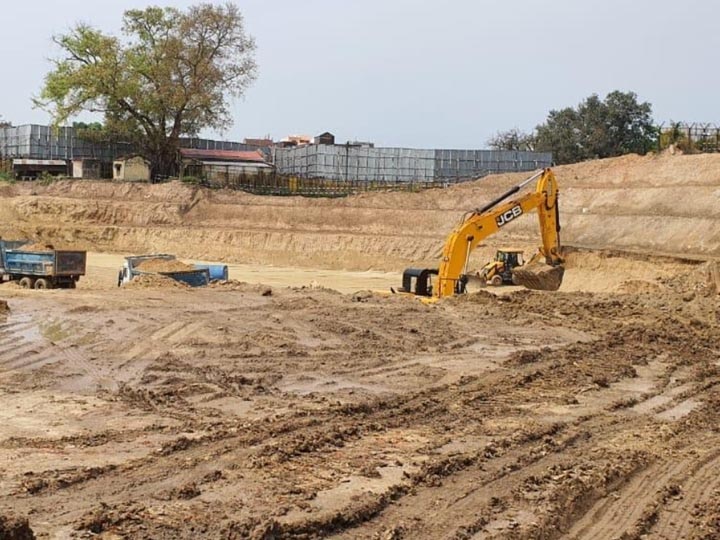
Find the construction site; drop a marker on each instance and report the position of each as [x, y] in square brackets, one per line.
[298, 397]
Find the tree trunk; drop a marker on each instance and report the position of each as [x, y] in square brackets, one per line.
[164, 159]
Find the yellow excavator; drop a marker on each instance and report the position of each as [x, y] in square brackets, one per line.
[543, 272]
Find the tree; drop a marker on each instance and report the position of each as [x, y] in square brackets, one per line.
[513, 140]
[598, 128]
[4, 123]
[172, 75]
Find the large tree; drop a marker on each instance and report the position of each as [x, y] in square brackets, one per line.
[171, 74]
[597, 128]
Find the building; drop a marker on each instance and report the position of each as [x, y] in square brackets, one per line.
[296, 140]
[34, 168]
[259, 143]
[86, 168]
[131, 169]
[47, 143]
[222, 167]
[324, 138]
[365, 163]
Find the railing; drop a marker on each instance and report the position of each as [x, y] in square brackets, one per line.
[691, 138]
[273, 184]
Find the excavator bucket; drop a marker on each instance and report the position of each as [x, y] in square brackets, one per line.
[539, 276]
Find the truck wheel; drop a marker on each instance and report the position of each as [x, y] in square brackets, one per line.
[496, 281]
[26, 283]
[43, 284]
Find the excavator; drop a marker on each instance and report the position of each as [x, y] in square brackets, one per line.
[543, 272]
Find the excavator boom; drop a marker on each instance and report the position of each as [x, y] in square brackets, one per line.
[544, 271]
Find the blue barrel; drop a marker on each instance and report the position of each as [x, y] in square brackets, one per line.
[217, 271]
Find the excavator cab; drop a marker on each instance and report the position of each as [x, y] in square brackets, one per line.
[418, 281]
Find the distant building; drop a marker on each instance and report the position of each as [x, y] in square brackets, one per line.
[296, 140]
[325, 138]
[361, 144]
[259, 143]
[33, 168]
[87, 168]
[222, 166]
[131, 168]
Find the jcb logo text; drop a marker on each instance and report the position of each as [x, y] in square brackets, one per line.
[507, 217]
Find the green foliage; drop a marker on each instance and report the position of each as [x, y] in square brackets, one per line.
[677, 136]
[7, 177]
[172, 74]
[513, 140]
[45, 178]
[190, 180]
[598, 128]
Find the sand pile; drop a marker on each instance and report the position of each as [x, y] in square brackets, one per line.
[240, 286]
[155, 281]
[15, 528]
[639, 286]
[37, 246]
[163, 265]
[539, 276]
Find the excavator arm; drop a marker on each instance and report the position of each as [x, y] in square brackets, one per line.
[477, 225]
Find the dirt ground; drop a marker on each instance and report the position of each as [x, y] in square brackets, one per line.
[241, 411]
[301, 402]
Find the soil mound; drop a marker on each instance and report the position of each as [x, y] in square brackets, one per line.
[37, 247]
[240, 286]
[15, 528]
[163, 265]
[155, 281]
[639, 286]
[539, 276]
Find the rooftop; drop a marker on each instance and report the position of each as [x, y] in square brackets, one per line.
[222, 155]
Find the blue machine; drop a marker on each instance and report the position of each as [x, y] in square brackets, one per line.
[41, 269]
[198, 277]
[218, 272]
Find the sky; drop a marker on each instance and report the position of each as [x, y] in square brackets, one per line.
[419, 73]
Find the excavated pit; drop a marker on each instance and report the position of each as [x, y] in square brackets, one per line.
[244, 411]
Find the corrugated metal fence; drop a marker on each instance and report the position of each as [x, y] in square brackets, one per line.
[346, 162]
[44, 142]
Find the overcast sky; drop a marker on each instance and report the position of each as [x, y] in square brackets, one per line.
[420, 73]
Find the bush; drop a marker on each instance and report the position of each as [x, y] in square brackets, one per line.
[191, 180]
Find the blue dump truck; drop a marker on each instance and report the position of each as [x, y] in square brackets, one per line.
[218, 272]
[41, 269]
[195, 277]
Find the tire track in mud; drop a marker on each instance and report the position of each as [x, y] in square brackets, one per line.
[22, 346]
[696, 485]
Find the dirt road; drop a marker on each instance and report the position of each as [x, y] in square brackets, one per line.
[103, 274]
[230, 413]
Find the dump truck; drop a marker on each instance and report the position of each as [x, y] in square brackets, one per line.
[41, 269]
[194, 277]
[218, 272]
